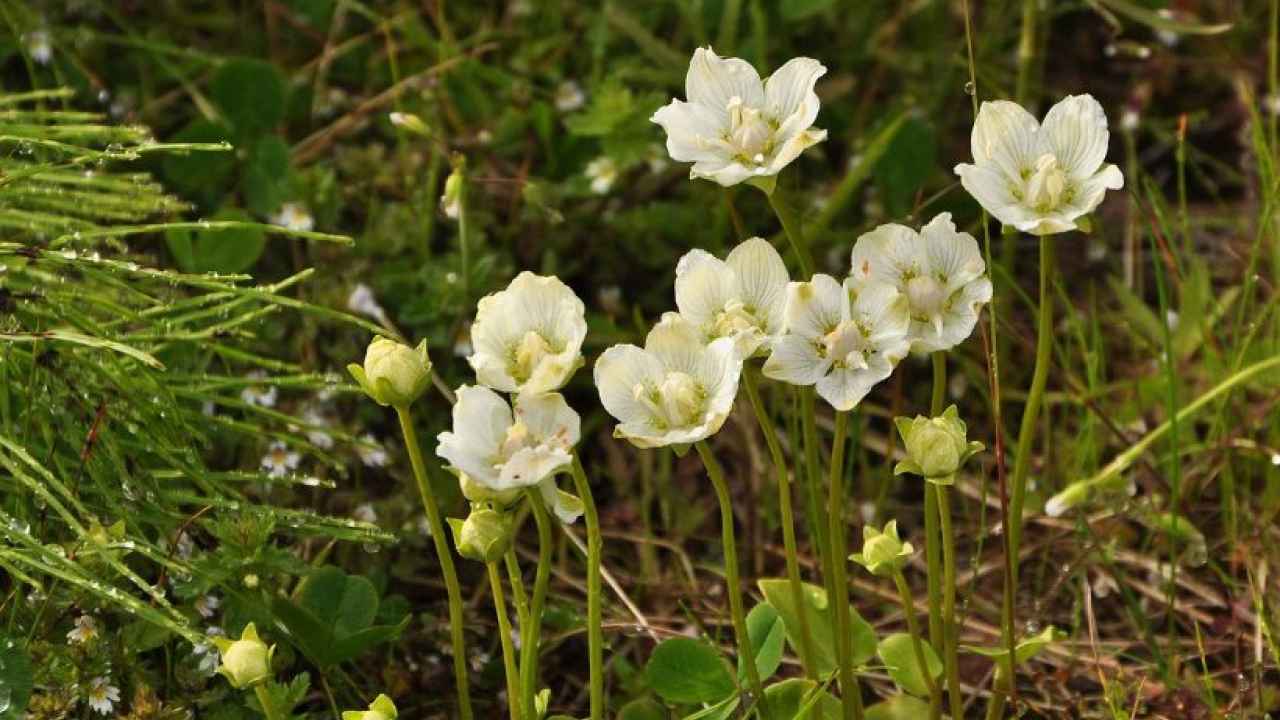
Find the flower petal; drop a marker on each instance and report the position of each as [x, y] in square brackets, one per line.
[677, 343]
[795, 360]
[1075, 131]
[1004, 133]
[704, 286]
[549, 419]
[843, 388]
[887, 253]
[529, 466]
[713, 81]
[480, 422]
[951, 254]
[617, 373]
[691, 130]
[789, 91]
[726, 172]
[814, 307]
[761, 280]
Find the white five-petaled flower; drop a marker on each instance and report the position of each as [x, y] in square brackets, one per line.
[939, 270]
[1040, 177]
[259, 393]
[676, 390]
[207, 605]
[85, 631]
[740, 297]
[279, 460]
[316, 433]
[38, 46]
[603, 173]
[501, 450]
[206, 653]
[294, 216]
[363, 301]
[103, 696]
[528, 337]
[843, 339]
[733, 127]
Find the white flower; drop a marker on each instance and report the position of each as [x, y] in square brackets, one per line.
[293, 216]
[740, 297]
[733, 127]
[316, 434]
[528, 337]
[569, 96]
[38, 46]
[103, 696]
[372, 454]
[207, 605]
[676, 390]
[362, 301]
[207, 653]
[502, 451]
[602, 172]
[1130, 120]
[842, 339]
[262, 396]
[939, 271]
[279, 461]
[1040, 178]
[85, 631]
[364, 512]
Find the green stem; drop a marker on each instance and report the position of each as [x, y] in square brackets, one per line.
[716, 473]
[595, 631]
[268, 706]
[436, 524]
[913, 627]
[531, 638]
[790, 220]
[787, 519]
[850, 692]
[508, 650]
[1026, 50]
[932, 533]
[950, 631]
[813, 478]
[939, 383]
[516, 578]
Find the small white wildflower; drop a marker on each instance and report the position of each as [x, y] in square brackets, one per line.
[1129, 120]
[38, 46]
[1171, 318]
[602, 172]
[1275, 459]
[259, 394]
[364, 512]
[315, 434]
[279, 460]
[186, 547]
[103, 696]
[372, 454]
[207, 605]
[294, 216]
[208, 657]
[502, 450]
[424, 526]
[85, 631]
[363, 301]
[528, 336]
[569, 97]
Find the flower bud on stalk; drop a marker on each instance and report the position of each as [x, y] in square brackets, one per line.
[883, 552]
[380, 709]
[393, 373]
[484, 536]
[245, 662]
[936, 447]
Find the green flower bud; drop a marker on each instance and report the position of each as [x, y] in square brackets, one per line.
[484, 536]
[393, 373]
[883, 552]
[245, 662]
[380, 709]
[936, 447]
[477, 493]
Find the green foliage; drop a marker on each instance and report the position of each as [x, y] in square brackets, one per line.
[16, 679]
[330, 618]
[897, 651]
[801, 699]
[251, 95]
[685, 670]
[777, 591]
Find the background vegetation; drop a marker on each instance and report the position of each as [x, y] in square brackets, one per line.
[190, 193]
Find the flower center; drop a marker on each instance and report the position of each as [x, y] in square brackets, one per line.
[750, 133]
[733, 319]
[927, 297]
[529, 353]
[847, 345]
[677, 401]
[517, 438]
[1047, 186]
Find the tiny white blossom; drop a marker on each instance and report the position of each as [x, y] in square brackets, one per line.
[85, 631]
[207, 605]
[103, 696]
[259, 394]
[940, 272]
[733, 127]
[842, 339]
[740, 297]
[602, 172]
[372, 454]
[528, 337]
[38, 46]
[1130, 120]
[293, 216]
[364, 512]
[209, 658]
[569, 96]
[1040, 178]
[676, 390]
[363, 301]
[279, 460]
[316, 434]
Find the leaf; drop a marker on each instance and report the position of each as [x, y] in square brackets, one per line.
[906, 164]
[250, 94]
[15, 679]
[266, 177]
[898, 707]
[767, 633]
[684, 670]
[800, 9]
[720, 711]
[200, 174]
[348, 603]
[821, 626]
[1026, 648]
[1137, 13]
[330, 618]
[222, 250]
[801, 699]
[898, 653]
[643, 709]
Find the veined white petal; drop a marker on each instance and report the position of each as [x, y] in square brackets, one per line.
[761, 280]
[886, 254]
[951, 254]
[529, 466]
[719, 368]
[677, 343]
[715, 81]
[549, 418]
[725, 172]
[844, 388]
[814, 307]
[789, 91]
[704, 286]
[796, 360]
[618, 372]
[792, 141]
[878, 304]
[566, 507]
[1004, 132]
[1075, 131]
[480, 422]
[691, 128]
[993, 191]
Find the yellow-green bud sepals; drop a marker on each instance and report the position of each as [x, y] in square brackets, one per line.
[380, 709]
[393, 373]
[485, 536]
[478, 493]
[936, 447]
[883, 554]
[246, 662]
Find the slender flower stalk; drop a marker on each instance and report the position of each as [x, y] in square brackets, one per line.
[531, 637]
[850, 692]
[436, 525]
[913, 627]
[787, 519]
[518, 598]
[790, 220]
[508, 650]
[813, 477]
[595, 632]
[932, 531]
[950, 631]
[716, 473]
